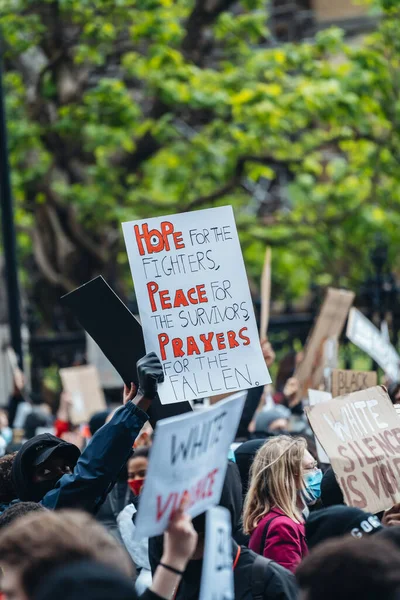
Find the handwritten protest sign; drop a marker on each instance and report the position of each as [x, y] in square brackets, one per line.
[361, 435]
[217, 573]
[83, 384]
[366, 336]
[195, 304]
[318, 397]
[188, 457]
[329, 323]
[346, 382]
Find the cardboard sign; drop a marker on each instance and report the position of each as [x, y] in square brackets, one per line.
[119, 335]
[361, 435]
[265, 290]
[217, 574]
[329, 323]
[195, 304]
[366, 336]
[346, 382]
[189, 456]
[318, 397]
[83, 384]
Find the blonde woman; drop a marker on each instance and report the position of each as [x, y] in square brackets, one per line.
[283, 478]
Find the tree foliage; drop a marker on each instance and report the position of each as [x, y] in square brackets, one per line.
[119, 109]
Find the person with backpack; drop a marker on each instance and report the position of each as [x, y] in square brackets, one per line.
[255, 577]
[284, 478]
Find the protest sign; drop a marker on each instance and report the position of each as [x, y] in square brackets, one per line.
[118, 334]
[361, 435]
[346, 382]
[265, 294]
[189, 456]
[217, 574]
[366, 336]
[83, 384]
[330, 322]
[195, 304]
[318, 397]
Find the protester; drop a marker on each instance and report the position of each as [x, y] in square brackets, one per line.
[7, 490]
[35, 545]
[44, 468]
[88, 580]
[331, 494]
[273, 421]
[137, 469]
[347, 569]
[244, 456]
[337, 521]
[283, 478]
[254, 577]
[18, 510]
[254, 395]
[138, 549]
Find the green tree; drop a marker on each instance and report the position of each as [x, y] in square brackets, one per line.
[120, 109]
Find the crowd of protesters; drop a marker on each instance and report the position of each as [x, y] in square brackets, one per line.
[69, 499]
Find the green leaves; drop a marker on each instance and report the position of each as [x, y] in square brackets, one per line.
[115, 110]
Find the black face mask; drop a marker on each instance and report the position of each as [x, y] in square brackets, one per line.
[40, 489]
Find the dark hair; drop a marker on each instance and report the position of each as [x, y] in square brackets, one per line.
[7, 490]
[142, 452]
[392, 535]
[20, 509]
[38, 543]
[351, 568]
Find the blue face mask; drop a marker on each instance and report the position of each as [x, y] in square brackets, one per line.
[312, 482]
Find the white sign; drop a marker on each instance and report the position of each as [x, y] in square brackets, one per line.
[188, 460]
[366, 336]
[217, 575]
[195, 304]
[318, 397]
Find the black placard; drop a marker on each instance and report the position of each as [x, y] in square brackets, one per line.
[118, 333]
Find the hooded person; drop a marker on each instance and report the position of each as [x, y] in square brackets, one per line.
[40, 463]
[336, 521]
[254, 576]
[272, 422]
[52, 471]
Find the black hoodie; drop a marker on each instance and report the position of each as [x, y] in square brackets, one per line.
[279, 583]
[22, 469]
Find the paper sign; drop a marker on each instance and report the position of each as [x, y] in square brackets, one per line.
[361, 435]
[188, 456]
[119, 335]
[87, 396]
[346, 382]
[318, 397]
[217, 574]
[366, 336]
[329, 323]
[195, 304]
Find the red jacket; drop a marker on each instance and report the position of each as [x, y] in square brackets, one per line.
[285, 542]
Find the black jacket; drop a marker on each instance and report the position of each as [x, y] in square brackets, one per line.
[97, 469]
